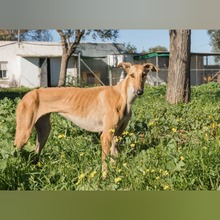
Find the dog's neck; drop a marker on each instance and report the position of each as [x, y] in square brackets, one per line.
[127, 92]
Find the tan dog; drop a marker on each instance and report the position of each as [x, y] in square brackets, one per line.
[98, 109]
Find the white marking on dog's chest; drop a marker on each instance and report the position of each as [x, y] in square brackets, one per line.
[92, 124]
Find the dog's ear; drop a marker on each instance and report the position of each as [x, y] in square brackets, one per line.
[150, 67]
[125, 65]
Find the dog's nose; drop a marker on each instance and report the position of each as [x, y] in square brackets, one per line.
[140, 91]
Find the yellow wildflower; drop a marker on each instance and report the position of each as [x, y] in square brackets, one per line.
[174, 130]
[118, 179]
[151, 123]
[112, 130]
[179, 149]
[182, 158]
[61, 136]
[132, 145]
[157, 178]
[125, 133]
[166, 187]
[124, 164]
[39, 164]
[165, 173]
[116, 140]
[212, 125]
[92, 174]
[104, 174]
[119, 170]
[80, 177]
[131, 134]
[152, 171]
[82, 154]
[147, 170]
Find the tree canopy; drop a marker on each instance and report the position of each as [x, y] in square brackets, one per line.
[215, 42]
[28, 35]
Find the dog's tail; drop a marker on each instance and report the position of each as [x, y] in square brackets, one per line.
[26, 114]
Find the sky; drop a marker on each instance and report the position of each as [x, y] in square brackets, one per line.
[144, 39]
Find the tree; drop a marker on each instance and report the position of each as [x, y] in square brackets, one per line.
[25, 35]
[178, 85]
[215, 42]
[157, 48]
[130, 48]
[70, 39]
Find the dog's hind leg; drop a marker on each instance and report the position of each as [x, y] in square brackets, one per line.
[43, 129]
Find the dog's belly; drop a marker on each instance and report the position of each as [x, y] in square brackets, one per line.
[89, 124]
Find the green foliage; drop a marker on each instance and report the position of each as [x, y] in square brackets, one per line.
[165, 147]
[215, 42]
[157, 48]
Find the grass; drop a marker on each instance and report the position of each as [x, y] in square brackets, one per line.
[165, 147]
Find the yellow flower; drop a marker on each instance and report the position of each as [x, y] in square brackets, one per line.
[209, 116]
[182, 158]
[174, 130]
[157, 178]
[124, 164]
[152, 171]
[61, 136]
[131, 134]
[118, 179]
[132, 145]
[151, 123]
[147, 170]
[212, 125]
[166, 187]
[92, 174]
[112, 130]
[80, 177]
[116, 140]
[119, 170]
[104, 174]
[179, 149]
[125, 133]
[82, 154]
[39, 164]
[165, 173]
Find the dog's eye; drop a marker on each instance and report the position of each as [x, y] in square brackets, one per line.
[144, 75]
[132, 75]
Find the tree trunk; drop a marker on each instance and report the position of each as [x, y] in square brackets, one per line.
[178, 85]
[63, 68]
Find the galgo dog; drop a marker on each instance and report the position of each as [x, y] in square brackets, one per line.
[97, 109]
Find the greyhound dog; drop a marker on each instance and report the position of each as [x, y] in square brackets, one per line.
[97, 109]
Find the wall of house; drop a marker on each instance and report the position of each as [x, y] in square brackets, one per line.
[8, 55]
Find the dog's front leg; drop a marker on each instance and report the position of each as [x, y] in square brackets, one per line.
[106, 137]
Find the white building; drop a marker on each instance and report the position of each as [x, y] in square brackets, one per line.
[37, 64]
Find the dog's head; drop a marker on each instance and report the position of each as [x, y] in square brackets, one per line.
[137, 74]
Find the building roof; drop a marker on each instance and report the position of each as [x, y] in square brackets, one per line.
[54, 49]
[167, 54]
[100, 49]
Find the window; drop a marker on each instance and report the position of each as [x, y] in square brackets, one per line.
[3, 70]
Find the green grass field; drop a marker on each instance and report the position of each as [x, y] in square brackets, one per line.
[165, 147]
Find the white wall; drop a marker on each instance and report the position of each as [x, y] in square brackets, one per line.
[8, 54]
[30, 72]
